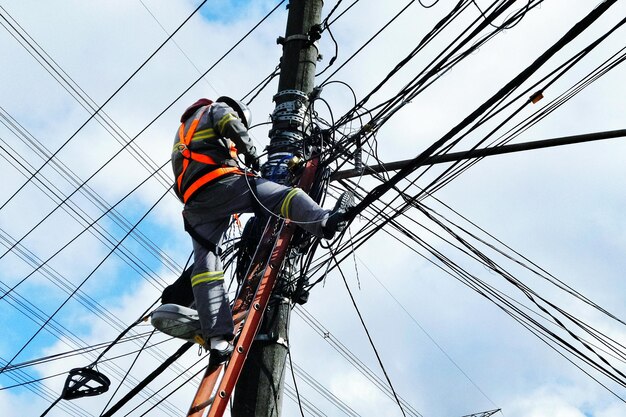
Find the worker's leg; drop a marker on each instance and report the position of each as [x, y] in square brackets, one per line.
[297, 206]
[306, 213]
[207, 281]
[264, 196]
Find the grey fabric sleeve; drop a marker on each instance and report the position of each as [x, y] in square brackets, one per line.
[233, 130]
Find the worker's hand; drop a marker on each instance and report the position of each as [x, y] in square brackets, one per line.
[252, 162]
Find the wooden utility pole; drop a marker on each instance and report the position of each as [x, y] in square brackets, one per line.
[259, 390]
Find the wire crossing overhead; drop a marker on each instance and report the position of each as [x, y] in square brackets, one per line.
[343, 130]
[503, 92]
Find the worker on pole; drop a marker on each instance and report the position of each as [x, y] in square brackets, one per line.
[213, 187]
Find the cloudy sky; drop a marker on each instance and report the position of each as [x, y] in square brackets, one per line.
[447, 350]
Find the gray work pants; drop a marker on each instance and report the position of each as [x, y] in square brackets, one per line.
[209, 212]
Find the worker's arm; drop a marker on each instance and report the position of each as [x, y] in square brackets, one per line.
[229, 126]
[237, 132]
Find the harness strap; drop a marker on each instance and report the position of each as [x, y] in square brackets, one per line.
[206, 178]
[185, 140]
[220, 170]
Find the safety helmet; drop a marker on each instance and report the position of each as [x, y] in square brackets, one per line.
[242, 110]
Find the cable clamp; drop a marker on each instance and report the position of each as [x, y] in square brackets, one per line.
[281, 40]
[538, 95]
[268, 338]
[297, 94]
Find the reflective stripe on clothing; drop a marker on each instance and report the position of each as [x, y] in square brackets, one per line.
[209, 276]
[284, 208]
[225, 119]
[204, 134]
[199, 135]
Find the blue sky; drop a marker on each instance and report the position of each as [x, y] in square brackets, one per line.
[562, 208]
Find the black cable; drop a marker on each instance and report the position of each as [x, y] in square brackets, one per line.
[443, 62]
[326, 23]
[369, 337]
[347, 354]
[577, 352]
[79, 234]
[154, 120]
[46, 394]
[106, 102]
[128, 371]
[141, 318]
[72, 178]
[437, 28]
[162, 367]
[516, 81]
[567, 65]
[332, 398]
[56, 329]
[74, 352]
[100, 233]
[422, 81]
[82, 283]
[385, 26]
[262, 85]
[547, 81]
[83, 99]
[508, 26]
[295, 384]
[173, 391]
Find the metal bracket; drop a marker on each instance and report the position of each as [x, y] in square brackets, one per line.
[282, 40]
[296, 93]
[278, 340]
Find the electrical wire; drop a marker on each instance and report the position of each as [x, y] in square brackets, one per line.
[105, 103]
[79, 286]
[369, 337]
[72, 178]
[396, 212]
[347, 354]
[146, 127]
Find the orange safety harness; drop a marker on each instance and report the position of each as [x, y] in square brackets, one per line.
[221, 170]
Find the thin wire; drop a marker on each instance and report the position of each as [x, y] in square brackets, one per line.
[81, 284]
[128, 371]
[72, 178]
[565, 344]
[347, 354]
[105, 103]
[369, 337]
[510, 25]
[187, 57]
[154, 120]
[85, 101]
[414, 320]
[270, 212]
[79, 234]
[293, 376]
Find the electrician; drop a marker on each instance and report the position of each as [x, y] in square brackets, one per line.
[209, 181]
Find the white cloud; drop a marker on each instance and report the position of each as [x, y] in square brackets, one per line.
[561, 208]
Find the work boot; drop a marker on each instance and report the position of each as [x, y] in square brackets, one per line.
[337, 219]
[219, 356]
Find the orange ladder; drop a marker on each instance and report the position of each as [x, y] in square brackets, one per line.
[248, 310]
